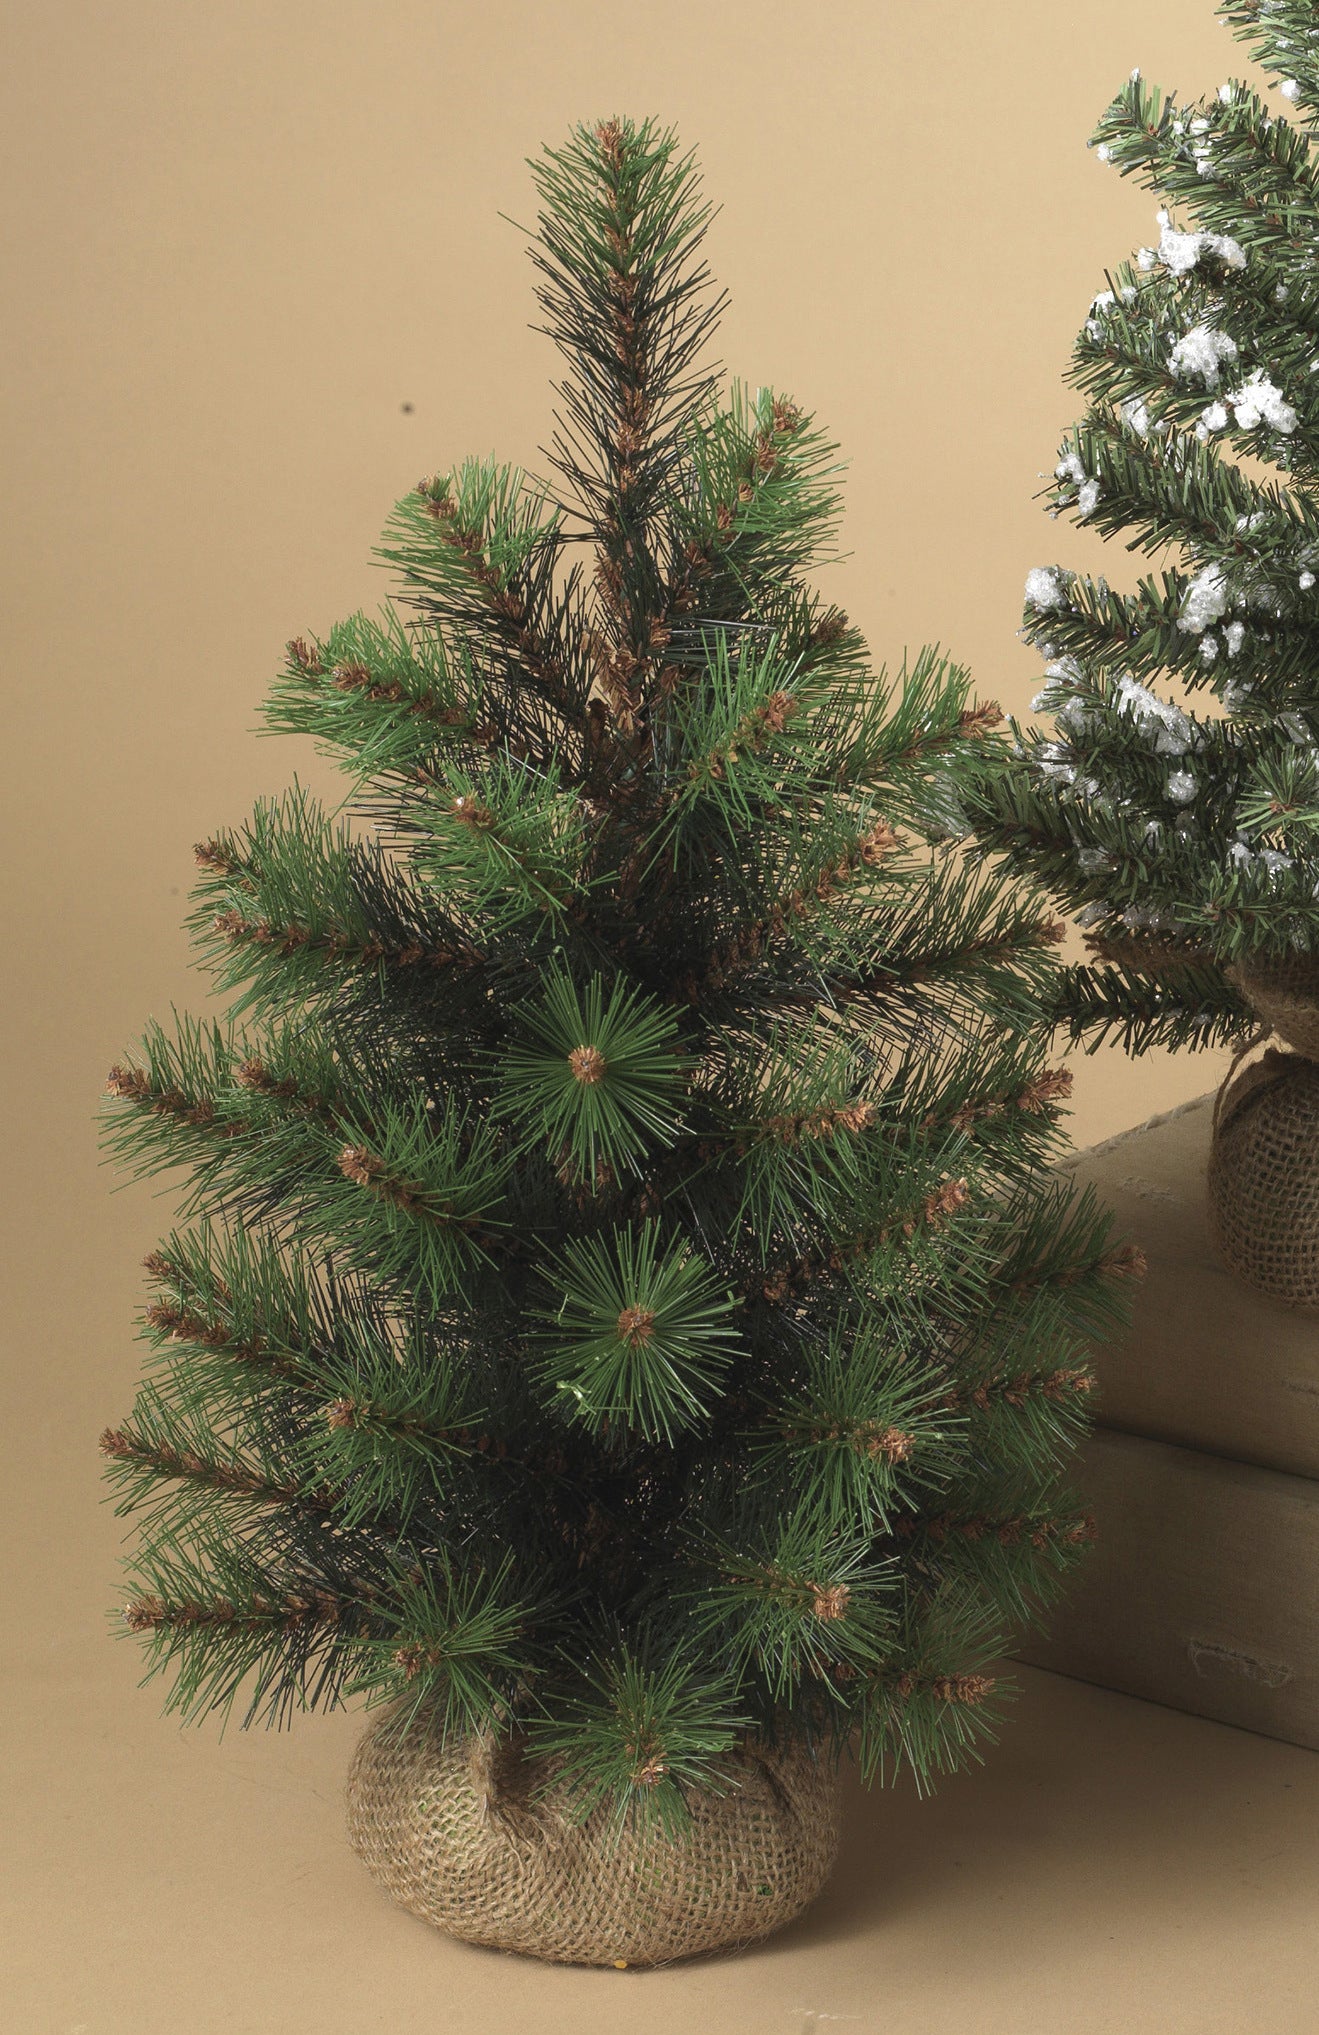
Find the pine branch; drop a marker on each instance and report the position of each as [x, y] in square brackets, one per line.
[1278, 36]
[144, 1460]
[383, 700]
[1195, 1011]
[222, 1622]
[934, 1704]
[296, 910]
[478, 550]
[637, 1730]
[625, 300]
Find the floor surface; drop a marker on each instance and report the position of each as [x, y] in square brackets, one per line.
[1115, 1867]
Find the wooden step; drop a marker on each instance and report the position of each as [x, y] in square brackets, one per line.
[1202, 1591]
[1209, 1363]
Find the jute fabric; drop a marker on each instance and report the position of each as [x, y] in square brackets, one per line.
[1264, 1176]
[480, 1840]
[1285, 995]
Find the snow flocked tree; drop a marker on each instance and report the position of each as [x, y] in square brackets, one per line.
[1184, 837]
[618, 1303]
[1187, 842]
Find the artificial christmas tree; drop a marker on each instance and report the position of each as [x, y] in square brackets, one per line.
[621, 1322]
[1187, 843]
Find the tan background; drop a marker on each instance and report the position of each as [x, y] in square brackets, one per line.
[241, 237]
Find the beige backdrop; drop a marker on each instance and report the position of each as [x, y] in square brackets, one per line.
[243, 236]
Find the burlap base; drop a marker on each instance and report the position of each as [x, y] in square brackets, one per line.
[1286, 996]
[1264, 1177]
[455, 1835]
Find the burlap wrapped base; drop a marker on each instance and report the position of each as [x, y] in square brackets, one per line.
[1285, 995]
[464, 1837]
[1264, 1177]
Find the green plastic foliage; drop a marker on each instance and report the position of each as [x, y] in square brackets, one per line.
[641, 1338]
[598, 1077]
[638, 1731]
[615, 1299]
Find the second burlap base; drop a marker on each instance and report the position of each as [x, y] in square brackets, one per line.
[482, 1842]
[1285, 996]
[1264, 1177]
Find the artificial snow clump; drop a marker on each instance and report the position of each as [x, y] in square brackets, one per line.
[1135, 415]
[1260, 401]
[1204, 601]
[1044, 587]
[1053, 761]
[1087, 489]
[1181, 787]
[1140, 918]
[1169, 727]
[1271, 860]
[1305, 582]
[1208, 649]
[1203, 351]
[1234, 635]
[1179, 252]
[1290, 89]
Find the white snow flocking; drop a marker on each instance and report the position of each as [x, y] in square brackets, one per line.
[1204, 601]
[1260, 401]
[1179, 252]
[1044, 587]
[1203, 351]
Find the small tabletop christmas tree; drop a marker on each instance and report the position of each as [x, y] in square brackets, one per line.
[1186, 842]
[620, 1315]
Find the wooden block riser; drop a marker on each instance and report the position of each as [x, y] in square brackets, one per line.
[1203, 1589]
[1209, 1363]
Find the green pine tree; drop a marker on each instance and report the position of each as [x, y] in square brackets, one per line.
[617, 1293]
[1182, 828]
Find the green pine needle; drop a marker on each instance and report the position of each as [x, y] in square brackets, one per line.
[595, 1074]
[637, 1731]
[641, 1338]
